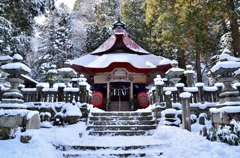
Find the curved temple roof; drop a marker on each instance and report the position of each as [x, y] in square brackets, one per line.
[127, 43]
[120, 50]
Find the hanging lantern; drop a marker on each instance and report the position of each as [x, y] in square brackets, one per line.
[142, 99]
[97, 99]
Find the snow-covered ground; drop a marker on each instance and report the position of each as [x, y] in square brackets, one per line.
[172, 141]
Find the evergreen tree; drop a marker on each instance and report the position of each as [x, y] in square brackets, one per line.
[56, 46]
[184, 28]
[133, 15]
[105, 13]
[21, 14]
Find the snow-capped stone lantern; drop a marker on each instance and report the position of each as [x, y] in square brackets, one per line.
[4, 60]
[67, 73]
[189, 73]
[51, 75]
[12, 98]
[158, 81]
[175, 72]
[224, 69]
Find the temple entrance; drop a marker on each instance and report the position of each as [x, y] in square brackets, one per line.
[120, 96]
[119, 91]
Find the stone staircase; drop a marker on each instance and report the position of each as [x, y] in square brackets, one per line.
[121, 123]
[124, 106]
[124, 128]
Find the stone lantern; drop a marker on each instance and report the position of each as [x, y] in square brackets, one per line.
[51, 75]
[189, 73]
[224, 69]
[83, 87]
[67, 73]
[175, 72]
[158, 81]
[4, 60]
[12, 98]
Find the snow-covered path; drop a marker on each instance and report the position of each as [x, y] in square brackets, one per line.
[172, 141]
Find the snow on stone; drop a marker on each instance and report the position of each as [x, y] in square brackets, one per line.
[46, 84]
[218, 84]
[16, 65]
[71, 89]
[73, 111]
[168, 92]
[169, 89]
[13, 105]
[199, 84]
[17, 57]
[5, 58]
[12, 112]
[190, 89]
[225, 64]
[228, 58]
[46, 89]
[185, 95]
[29, 89]
[29, 78]
[67, 69]
[158, 80]
[202, 106]
[52, 71]
[168, 111]
[46, 124]
[228, 109]
[179, 85]
[31, 114]
[189, 72]
[210, 89]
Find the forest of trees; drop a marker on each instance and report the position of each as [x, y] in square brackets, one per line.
[190, 31]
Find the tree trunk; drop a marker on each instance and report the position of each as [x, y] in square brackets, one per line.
[198, 67]
[181, 59]
[234, 30]
[182, 64]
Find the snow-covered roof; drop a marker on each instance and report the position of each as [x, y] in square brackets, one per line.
[119, 35]
[90, 62]
[16, 65]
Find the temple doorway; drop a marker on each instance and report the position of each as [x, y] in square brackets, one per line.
[120, 91]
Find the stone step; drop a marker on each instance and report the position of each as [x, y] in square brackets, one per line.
[116, 151]
[120, 127]
[127, 113]
[121, 133]
[118, 154]
[116, 118]
[125, 147]
[122, 122]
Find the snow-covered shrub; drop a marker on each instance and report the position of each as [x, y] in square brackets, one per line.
[225, 134]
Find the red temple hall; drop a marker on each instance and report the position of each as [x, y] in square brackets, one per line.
[119, 71]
